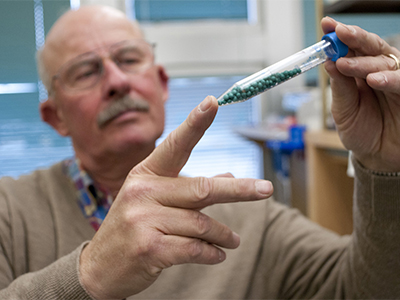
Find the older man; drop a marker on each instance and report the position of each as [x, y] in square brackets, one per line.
[162, 236]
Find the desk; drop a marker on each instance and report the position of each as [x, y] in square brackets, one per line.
[329, 189]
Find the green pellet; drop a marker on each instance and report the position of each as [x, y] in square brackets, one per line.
[237, 94]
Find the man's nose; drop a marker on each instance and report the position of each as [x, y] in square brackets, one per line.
[115, 81]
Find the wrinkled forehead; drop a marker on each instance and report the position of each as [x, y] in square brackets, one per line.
[79, 33]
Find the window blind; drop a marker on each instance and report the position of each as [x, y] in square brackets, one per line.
[26, 143]
[221, 149]
[178, 10]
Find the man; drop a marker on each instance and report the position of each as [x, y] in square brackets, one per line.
[162, 236]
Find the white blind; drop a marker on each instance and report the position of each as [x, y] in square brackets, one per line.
[26, 143]
[221, 149]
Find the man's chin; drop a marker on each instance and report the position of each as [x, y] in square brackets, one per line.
[132, 139]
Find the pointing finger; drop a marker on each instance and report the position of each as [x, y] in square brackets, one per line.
[171, 155]
[198, 192]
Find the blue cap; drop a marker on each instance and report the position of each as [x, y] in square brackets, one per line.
[338, 46]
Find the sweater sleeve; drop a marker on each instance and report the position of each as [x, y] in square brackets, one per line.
[23, 276]
[60, 280]
[300, 260]
[376, 248]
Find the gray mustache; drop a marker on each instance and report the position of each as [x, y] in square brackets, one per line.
[119, 106]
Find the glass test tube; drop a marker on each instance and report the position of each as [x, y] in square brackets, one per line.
[329, 48]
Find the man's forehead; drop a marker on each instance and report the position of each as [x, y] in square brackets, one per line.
[89, 38]
[81, 31]
[91, 26]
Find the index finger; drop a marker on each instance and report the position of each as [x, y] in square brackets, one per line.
[356, 38]
[172, 154]
[197, 192]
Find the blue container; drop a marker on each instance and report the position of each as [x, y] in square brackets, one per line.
[283, 149]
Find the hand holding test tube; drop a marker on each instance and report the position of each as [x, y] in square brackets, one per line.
[329, 48]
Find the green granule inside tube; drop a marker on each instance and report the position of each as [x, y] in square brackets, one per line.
[238, 95]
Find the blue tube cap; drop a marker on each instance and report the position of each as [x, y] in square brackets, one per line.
[339, 48]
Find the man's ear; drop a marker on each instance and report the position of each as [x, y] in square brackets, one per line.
[164, 78]
[51, 114]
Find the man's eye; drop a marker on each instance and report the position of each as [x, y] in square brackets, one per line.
[129, 61]
[85, 75]
[86, 72]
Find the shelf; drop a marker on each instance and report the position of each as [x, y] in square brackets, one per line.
[362, 6]
[327, 139]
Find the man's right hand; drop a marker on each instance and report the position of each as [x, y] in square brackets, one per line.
[156, 221]
[365, 97]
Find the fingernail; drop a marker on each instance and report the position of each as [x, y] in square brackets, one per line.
[329, 18]
[205, 104]
[351, 61]
[379, 77]
[263, 187]
[236, 237]
[350, 28]
[221, 255]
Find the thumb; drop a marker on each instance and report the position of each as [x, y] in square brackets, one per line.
[172, 154]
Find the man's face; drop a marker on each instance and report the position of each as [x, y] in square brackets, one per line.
[79, 110]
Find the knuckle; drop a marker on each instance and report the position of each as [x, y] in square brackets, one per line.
[226, 233]
[136, 188]
[153, 247]
[149, 247]
[195, 249]
[203, 224]
[142, 249]
[240, 187]
[381, 42]
[135, 218]
[389, 62]
[202, 190]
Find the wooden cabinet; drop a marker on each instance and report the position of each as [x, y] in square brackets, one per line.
[329, 189]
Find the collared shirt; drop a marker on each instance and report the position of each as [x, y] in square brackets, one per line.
[94, 200]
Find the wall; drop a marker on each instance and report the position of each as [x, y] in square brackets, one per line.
[120, 4]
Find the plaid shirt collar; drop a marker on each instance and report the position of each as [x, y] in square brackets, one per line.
[94, 200]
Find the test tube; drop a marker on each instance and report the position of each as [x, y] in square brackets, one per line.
[329, 48]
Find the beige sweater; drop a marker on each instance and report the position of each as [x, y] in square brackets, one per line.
[282, 254]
